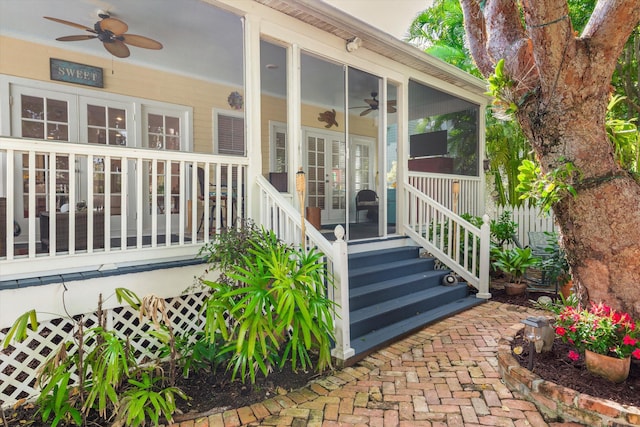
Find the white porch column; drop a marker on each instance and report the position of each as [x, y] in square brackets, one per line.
[252, 110]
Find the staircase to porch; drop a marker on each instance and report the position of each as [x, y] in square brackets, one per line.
[393, 291]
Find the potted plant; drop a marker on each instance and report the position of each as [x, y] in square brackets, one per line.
[607, 337]
[514, 262]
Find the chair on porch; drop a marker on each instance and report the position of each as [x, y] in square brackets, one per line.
[367, 200]
[201, 196]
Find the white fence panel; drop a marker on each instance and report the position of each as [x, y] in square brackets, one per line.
[528, 218]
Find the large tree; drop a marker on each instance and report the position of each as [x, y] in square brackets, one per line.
[557, 82]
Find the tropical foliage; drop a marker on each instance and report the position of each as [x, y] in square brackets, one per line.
[270, 305]
[110, 381]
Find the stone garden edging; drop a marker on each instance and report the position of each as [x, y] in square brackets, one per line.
[555, 401]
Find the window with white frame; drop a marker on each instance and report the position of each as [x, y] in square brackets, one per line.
[279, 158]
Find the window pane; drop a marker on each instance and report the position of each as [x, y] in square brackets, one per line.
[96, 115]
[443, 132]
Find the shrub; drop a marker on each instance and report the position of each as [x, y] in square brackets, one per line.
[273, 308]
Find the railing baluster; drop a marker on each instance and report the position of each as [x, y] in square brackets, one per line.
[91, 183]
[53, 232]
[124, 205]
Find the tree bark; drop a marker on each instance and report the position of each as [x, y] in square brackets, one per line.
[562, 90]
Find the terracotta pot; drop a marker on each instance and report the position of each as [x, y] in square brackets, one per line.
[567, 289]
[612, 368]
[515, 288]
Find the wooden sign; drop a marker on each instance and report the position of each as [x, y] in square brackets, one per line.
[72, 72]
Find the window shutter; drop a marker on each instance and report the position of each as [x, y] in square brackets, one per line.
[230, 135]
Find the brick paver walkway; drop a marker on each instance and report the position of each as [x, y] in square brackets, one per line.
[444, 375]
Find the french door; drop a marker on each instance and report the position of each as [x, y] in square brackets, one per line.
[46, 115]
[326, 175]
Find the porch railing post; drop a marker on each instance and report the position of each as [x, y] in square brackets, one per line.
[485, 249]
[342, 350]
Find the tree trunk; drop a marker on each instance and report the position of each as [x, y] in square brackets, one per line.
[600, 227]
[561, 90]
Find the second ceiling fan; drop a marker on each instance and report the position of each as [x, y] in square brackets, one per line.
[373, 104]
[112, 33]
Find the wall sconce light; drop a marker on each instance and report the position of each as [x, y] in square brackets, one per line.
[455, 190]
[353, 44]
[486, 165]
[539, 334]
[301, 188]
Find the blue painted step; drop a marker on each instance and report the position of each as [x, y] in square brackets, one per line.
[371, 258]
[388, 270]
[376, 338]
[385, 290]
[393, 291]
[391, 311]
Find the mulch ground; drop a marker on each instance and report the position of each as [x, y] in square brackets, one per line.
[208, 394]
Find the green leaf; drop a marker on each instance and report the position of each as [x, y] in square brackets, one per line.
[19, 328]
[128, 296]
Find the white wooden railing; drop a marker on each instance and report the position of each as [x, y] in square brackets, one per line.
[278, 214]
[145, 204]
[461, 246]
[440, 187]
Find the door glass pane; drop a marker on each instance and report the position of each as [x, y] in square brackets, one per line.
[106, 125]
[44, 118]
[163, 131]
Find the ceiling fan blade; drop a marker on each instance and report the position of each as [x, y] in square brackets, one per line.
[72, 24]
[141, 41]
[367, 111]
[117, 48]
[391, 109]
[75, 38]
[114, 25]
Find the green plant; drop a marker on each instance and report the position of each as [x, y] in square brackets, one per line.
[227, 248]
[501, 89]
[514, 262]
[545, 189]
[273, 309]
[503, 230]
[61, 403]
[555, 265]
[197, 353]
[599, 329]
[104, 364]
[147, 399]
[624, 136]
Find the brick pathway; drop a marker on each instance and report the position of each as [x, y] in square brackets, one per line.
[444, 375]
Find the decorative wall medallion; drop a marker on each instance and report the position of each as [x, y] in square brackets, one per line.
[235, 100]
[329, 117]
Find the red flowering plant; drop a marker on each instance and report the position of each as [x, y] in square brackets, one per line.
[599, 329]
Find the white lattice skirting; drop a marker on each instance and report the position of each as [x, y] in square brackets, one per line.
[19, 363]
